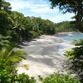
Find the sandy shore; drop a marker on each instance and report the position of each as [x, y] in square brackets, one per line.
[61, 34]
[45, 56]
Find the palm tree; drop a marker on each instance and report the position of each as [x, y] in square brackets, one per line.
[9, 54]
[17, 21]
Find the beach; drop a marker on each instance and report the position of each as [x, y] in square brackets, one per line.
[45, 56]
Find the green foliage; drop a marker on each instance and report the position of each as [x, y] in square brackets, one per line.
[8, 58]
[75, 56]
[48, 27]
[65, 26]
[9, 75]
[9, 54]
[6, 72]
[13, 35]
[5, 22]
[5, 6]
[71, 6]
[4, 40]
[23, 78]
[58, 78]
[14, 24]
[33, 34]
[30, 27]
[17, 19]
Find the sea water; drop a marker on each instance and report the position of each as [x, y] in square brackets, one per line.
[72, 36]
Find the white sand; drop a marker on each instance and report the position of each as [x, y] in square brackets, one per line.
[45, 56]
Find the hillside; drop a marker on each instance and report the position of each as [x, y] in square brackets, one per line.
[65, 26]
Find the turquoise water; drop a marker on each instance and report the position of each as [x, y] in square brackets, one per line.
[73, 36]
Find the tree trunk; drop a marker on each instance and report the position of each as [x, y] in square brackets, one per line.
[79, 17]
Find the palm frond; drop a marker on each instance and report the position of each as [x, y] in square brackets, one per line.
[24, 66]
[17, 55]
[9, 54]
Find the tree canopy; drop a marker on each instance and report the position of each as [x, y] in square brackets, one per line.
[72, 6]
[65, 26]
[5, 6]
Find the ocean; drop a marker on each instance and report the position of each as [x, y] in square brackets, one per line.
[72, 36]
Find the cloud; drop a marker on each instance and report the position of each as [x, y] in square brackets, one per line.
[60, 17]
[44, 10]
[39, 8]
[20, 4]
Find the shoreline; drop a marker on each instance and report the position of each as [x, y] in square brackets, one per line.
[61, 34]
[44, 56]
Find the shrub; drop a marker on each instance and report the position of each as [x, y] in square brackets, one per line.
[9, 75]
[33, 34]
[14, 36]
[58, 78]
[4, 40]
[40, 32]
[5, 22]
[75, 57]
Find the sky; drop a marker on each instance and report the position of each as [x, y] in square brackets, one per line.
[39, 8]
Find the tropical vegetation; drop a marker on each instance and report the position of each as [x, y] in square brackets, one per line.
[7, 75]
[19, 27]
[10, 55]
[75, 57]
[71, 6]
[65, 26]
[15, 27]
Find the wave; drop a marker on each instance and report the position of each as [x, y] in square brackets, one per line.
[70, 34]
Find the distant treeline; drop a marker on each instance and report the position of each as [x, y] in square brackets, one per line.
[65, 26]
